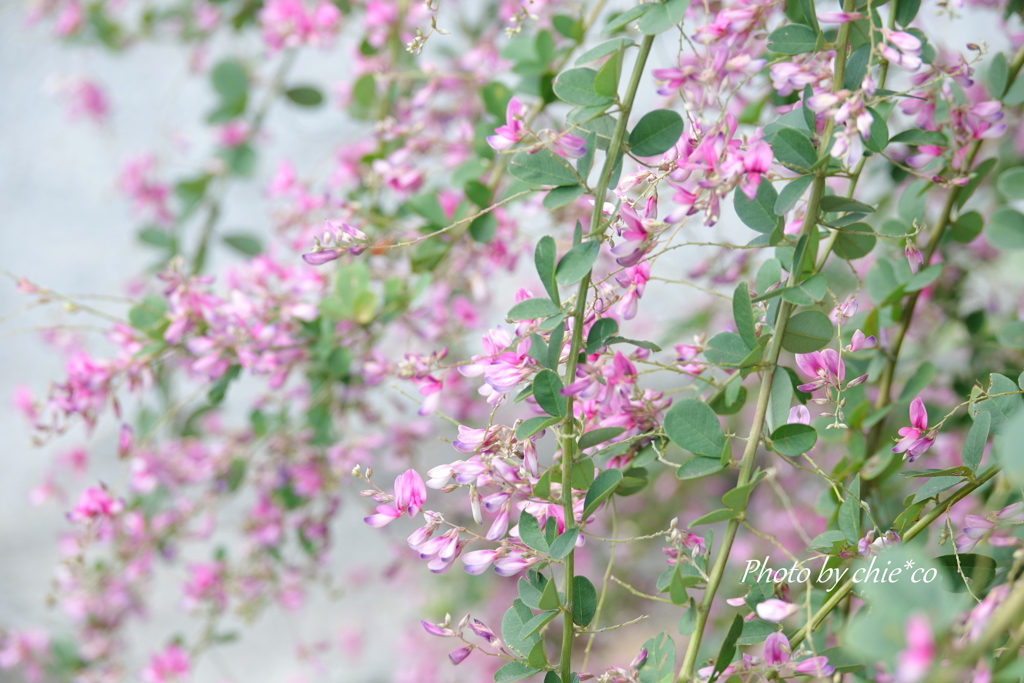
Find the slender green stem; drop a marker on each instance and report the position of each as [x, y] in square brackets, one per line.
[569, 435]
[810, 223]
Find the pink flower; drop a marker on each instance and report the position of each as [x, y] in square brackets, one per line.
[825, 366]
[513, 130]
[459, 656]
[915, 439]
[775, 610]
[410, 492]
[914, 257]
[95, 502]
[776, 649]
[170, 665]
[385, 515]
[914, 662]
[799, 415]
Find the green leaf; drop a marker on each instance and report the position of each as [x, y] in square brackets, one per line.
[661, 17]
[966, 227]
[759, 213]
[768, 274]
[532, 425]
[514, 671]
[548, 597]
[584, 601]
[715, 516]
[659, 667]
[693, 426]
[579, 260]
[1000, 408]
[794, 439]
[533, 308]
[1007, 447]
[789, 196]
[807, 332]
[849, 513]
[562, 196]
[482, 228]
[606, 83]
[743, 314]
[650, 346]
[978, 569]
[544, 257]
[564, 544]
[598, 436]
[543, 167]
[728, 649]
[241, 160]
[756, 632]
[878, 139]
[810, 291]
[158, 237]
[632, 14]
[600, 331]
[148, 315]
[854, 241]
[934, 486]
[974, 445]
[230, 80]
[727, 349]
[737, 498]
[219, 390]
[305, 96]
[794, 149]
[825, 540]
[906, 11]
[1015, 95]
[603, 487]
[922, 377]
[1005, 230]
[837, 204]
[1011, 183]
[857, 67]
[1011, 335]
[995, 77]
[842, 658]
[917, 136]
[700, 466]
[245, 244]
[656, 133]
[547, 390]
[496, 96]
[576, 86]
[603, 50]
[537, 623]
[792, 39]
[780, 399]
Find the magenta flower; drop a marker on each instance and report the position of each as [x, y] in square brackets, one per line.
[95, 502]
[914, 662]
[513, 130]
[826, 367]
[385, 515]
[916, 439]
[410, 492]
[459, 656]
[172, 664]
[914, 257]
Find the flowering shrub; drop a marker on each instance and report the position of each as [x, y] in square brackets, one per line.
[549, 202]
